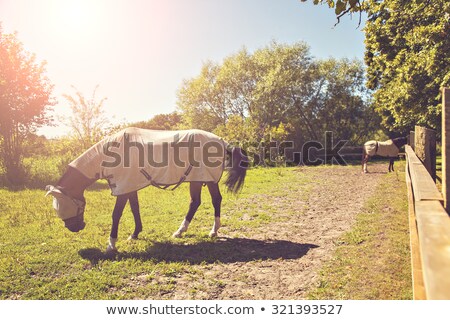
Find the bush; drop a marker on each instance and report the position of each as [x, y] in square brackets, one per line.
[44, 165]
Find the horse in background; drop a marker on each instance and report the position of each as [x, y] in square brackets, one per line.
[173, 157]
[389, 148]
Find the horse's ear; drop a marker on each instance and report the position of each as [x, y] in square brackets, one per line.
[54, 191]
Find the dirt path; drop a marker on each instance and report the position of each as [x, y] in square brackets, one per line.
[284, 259]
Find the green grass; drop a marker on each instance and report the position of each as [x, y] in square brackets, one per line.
[372, 260]
[439, 172]
[40, 259]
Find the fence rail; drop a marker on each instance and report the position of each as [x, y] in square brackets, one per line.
[430, 233]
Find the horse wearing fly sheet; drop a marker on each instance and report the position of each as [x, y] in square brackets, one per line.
[134, 158]
[389, 148]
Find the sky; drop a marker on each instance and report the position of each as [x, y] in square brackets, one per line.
[139, 51]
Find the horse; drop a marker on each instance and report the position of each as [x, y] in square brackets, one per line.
[135, 158]
[389, 148]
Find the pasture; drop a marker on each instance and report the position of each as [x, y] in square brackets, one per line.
[293, 233]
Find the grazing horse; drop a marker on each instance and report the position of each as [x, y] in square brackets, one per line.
[136, 158]
[389, 148]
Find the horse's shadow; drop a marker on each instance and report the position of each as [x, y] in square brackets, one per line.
[223, 250]
[377, 172]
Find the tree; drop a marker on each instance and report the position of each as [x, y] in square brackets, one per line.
[170, 121]
[25, 99]
[246, 85]
[285, 84]
[209, 99]
[344, 103]
[88, 120]
[279, 92]
[408, 59]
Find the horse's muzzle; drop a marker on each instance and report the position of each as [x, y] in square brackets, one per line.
[75, 224]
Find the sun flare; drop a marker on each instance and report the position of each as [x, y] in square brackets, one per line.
[77, 16]
[74, 13]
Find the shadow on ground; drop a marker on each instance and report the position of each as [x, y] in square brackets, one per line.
[224, 250]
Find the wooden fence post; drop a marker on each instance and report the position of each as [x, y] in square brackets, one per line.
[446, 147]
[425, 148]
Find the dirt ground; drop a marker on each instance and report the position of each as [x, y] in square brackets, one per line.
[284, 259]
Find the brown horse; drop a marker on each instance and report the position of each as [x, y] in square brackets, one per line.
[389, 148]
[135, 158]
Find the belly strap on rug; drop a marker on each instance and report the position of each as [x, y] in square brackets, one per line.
[163, 185]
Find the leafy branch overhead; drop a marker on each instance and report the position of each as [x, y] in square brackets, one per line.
[407, 57]
[342, 7]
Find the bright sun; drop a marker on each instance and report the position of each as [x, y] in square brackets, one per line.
[77, 16]
[74, 13]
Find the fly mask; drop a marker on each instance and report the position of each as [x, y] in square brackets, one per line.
[70, 210]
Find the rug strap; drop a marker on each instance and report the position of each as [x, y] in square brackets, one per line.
[165, 186]
[183, 178]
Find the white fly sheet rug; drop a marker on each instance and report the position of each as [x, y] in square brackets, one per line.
[384, 149]
[135, 158]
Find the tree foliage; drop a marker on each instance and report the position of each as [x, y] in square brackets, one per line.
[25, 99]
[169, 121]
[342, 7]
[278, 92]
[88, 120]
[408, 59]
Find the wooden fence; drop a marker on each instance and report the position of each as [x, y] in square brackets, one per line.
[428, 219]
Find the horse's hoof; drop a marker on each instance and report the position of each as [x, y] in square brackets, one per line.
[132, 237]
[213, 234]
[111, 250]
[177, 234]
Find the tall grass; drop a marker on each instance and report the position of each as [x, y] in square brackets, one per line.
[37, 171]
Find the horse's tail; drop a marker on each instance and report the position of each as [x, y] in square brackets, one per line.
[237, 169]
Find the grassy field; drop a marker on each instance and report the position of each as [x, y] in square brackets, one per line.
[40, 259]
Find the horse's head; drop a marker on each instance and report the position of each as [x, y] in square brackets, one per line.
[400, 142]
[69, 209]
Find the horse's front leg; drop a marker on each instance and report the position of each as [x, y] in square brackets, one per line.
[217, 202]
[195, 190]
[134, 204]
[121, 201]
